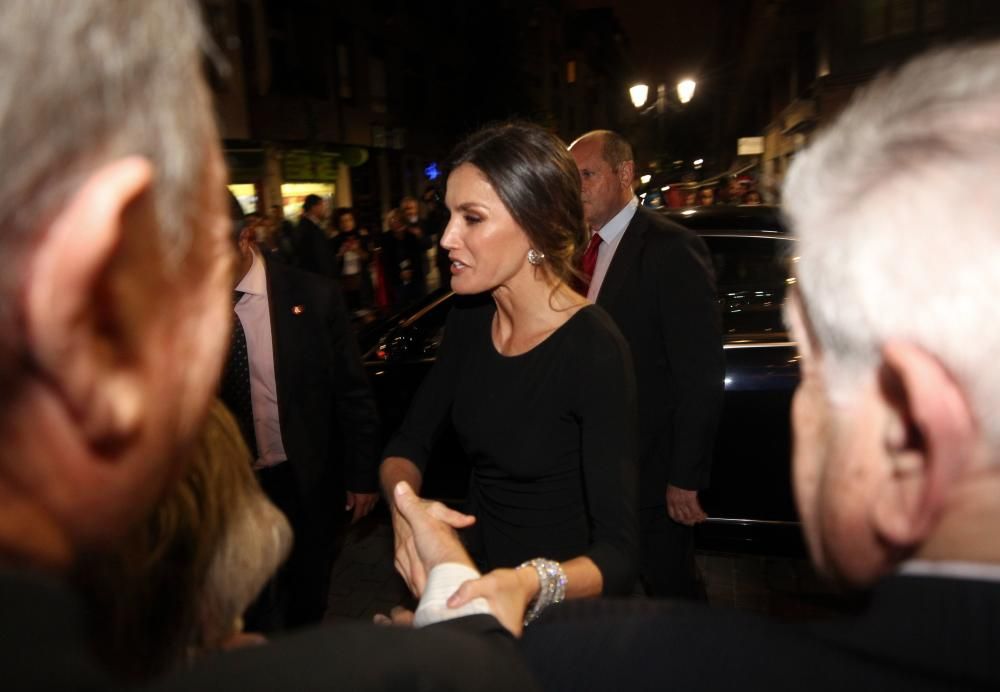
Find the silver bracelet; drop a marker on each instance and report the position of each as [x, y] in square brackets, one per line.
[551, 586]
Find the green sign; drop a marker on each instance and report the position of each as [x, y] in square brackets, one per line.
[300, 166]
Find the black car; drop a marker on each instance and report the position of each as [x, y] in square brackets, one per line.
[749, 502]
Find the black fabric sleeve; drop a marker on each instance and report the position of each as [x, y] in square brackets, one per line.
[355, 409]
[319, 246]
[687, 307]
[466, 654]
[431, 404]
[609, 444]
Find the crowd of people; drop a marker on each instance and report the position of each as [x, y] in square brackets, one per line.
[732, 190]
[379, 271]
[582, 370]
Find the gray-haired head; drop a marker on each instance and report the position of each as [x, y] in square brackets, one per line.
[899, 224]
[86, 82]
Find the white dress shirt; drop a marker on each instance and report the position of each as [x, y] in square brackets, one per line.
[611, 234]
[253, 312]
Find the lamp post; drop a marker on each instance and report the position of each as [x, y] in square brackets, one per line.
[639, 95]
[685, 90]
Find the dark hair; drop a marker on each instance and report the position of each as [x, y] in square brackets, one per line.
[237, 216]
[341, 213]
[538, 182]
[311, 201]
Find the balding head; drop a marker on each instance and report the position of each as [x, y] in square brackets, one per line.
[607, 170]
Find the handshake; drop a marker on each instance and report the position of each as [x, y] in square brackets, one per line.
[438, 570]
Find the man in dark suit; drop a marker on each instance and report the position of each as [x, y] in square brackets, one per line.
[402, 258]
[312, 248]
[114, 306]
[311, 421]
[655, 280]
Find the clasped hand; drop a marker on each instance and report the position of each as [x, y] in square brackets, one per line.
[424, 533]
[425, 537]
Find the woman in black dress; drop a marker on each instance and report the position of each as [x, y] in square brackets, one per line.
[537, 382]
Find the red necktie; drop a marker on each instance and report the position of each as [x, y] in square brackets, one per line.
[590, 261]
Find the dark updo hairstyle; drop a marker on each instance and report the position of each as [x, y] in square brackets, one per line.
[538, 182]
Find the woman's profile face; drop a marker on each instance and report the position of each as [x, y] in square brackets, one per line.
[485, 245]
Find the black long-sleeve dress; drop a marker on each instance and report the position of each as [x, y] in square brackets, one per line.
[551, 435]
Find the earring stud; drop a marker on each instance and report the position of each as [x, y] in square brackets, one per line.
[535, 257]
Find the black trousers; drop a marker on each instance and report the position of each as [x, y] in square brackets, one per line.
[297, 595]
[666, 565]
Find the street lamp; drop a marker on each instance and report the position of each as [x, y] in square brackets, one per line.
[685, 90]
[638, 93]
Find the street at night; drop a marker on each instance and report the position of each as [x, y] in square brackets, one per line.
[492, 345]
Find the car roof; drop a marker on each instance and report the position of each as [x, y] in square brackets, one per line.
[730, 220]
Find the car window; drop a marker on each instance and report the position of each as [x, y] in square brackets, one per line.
[751, 276]
[418, 337]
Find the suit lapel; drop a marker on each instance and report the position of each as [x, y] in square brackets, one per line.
[277, 314]
[625, 261]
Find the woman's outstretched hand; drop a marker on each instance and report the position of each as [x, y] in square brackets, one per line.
[424, 533]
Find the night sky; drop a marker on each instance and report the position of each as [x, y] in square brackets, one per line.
[670, 39]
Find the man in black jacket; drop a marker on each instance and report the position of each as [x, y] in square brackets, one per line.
[655, 280]
[312, 248]
[311, 422]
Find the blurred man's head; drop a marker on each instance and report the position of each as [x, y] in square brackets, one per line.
[345, 220]
[114, 242]
[734, 188]
[896, 450]
[314, 207]
[243, 238]
[607, 170]
[395, 222]
[410, 209]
